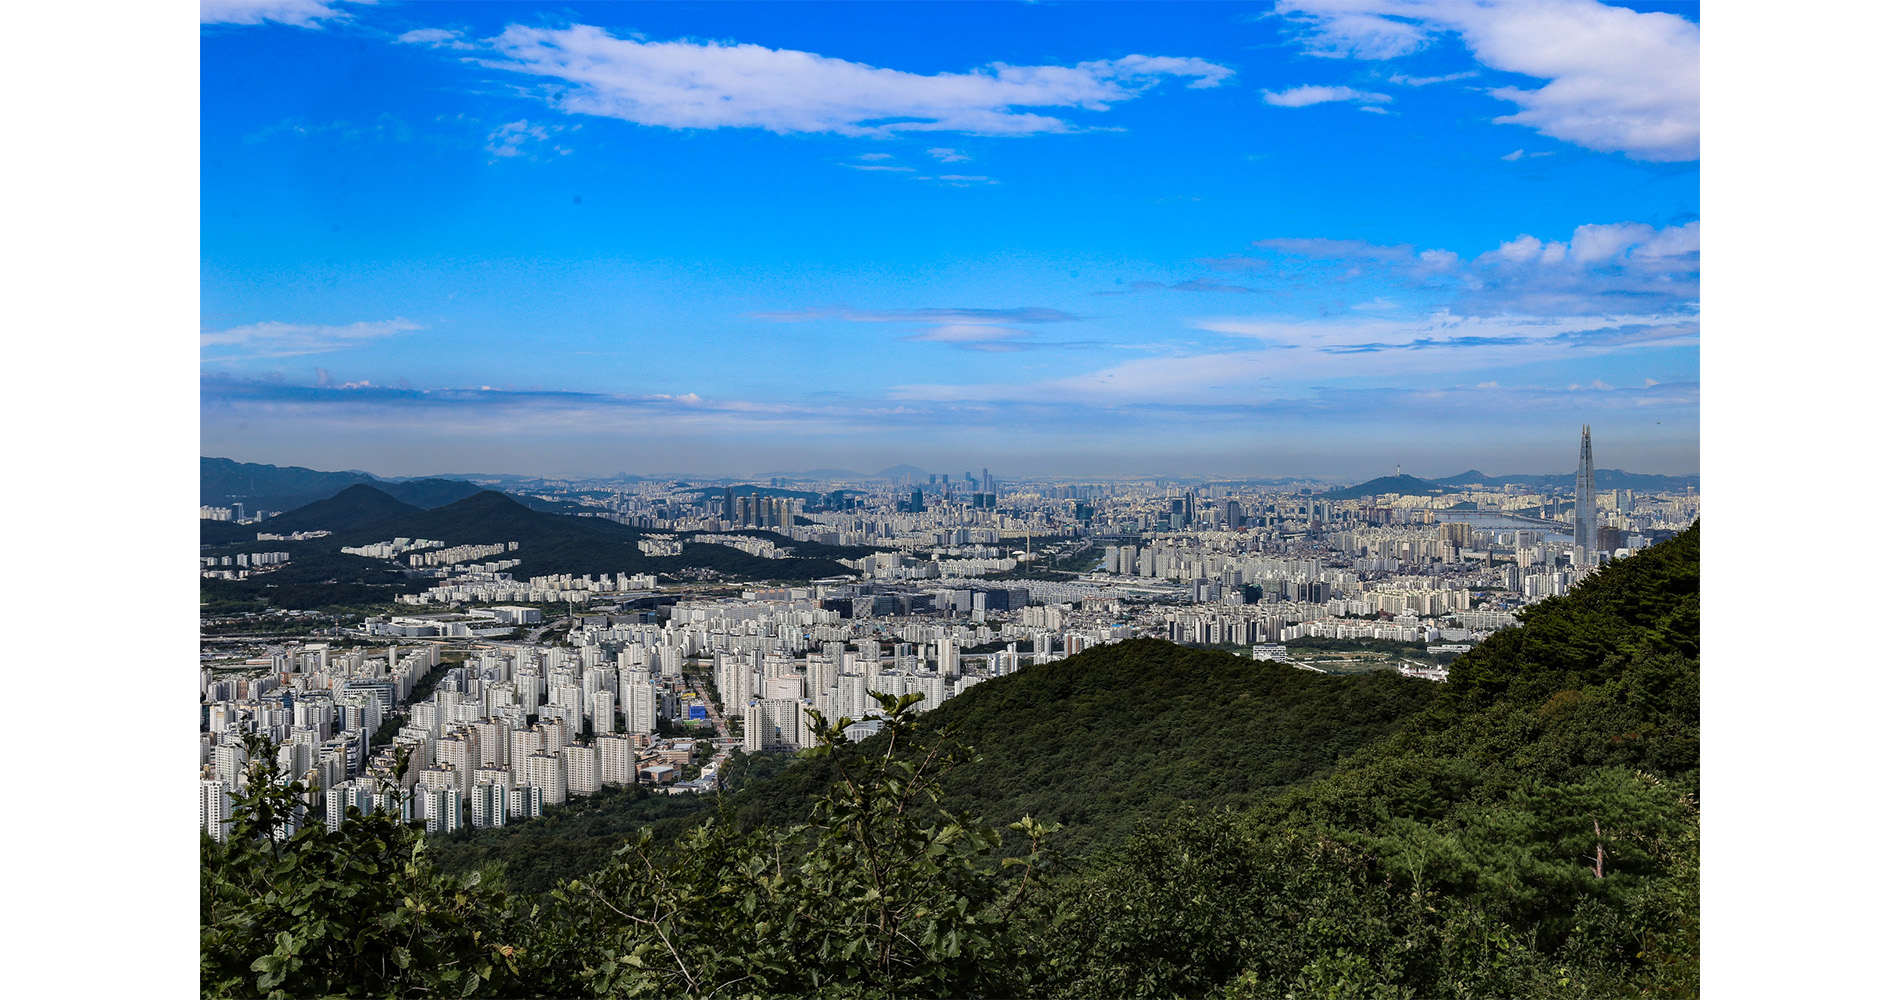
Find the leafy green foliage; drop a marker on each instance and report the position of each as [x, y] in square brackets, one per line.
[1105, 738]
[1533, 833]
[360, 911]
[879, 894]
[577, 838]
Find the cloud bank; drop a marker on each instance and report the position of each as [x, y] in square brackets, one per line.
[297, 13]
[1616, 81]
[282, 340]
[704, 85]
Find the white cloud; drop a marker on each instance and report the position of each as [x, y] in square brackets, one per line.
[1341, 32]
[1618, 80]
[1320, 246]
[1291, 355]
[960, 333]
[1426, 81]
[968, 329]
[1022, 314]
[281, 340]
[946, 155]
[298, 13]
[683, 84]
[1617, 243]
[1600, 269]
[874, 156]
[1301, 97]
[522, 138]
[961, 180]
[435, 38]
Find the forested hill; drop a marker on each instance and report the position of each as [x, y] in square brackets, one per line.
[1532, 831]
[1102, 740]
[1529, 829]
[319, 576]
[1535, 831]
[1117, 733]
[1097, 742]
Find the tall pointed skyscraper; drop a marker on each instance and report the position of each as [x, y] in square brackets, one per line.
[1584, 521]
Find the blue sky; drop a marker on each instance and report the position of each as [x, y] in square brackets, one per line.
[1064, 239]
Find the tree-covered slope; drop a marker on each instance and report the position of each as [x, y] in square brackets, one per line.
[222, 482]
[1104, 738]
[558, 543]
[1095, 742]
[1533, 833]
[318, 576]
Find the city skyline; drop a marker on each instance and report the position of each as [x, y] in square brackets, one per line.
[1304, 240]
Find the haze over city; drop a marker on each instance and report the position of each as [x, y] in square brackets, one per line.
[1107, 240]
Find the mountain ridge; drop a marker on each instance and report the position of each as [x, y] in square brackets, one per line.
[1606, 479]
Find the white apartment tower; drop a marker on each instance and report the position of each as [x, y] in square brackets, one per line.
[338, 800]
[547, 772]
[524, 802]
[214, 809]
[619, 759]
[442, 810]
[643, 712]
[602, 705]
[583, 768]
[488, 805]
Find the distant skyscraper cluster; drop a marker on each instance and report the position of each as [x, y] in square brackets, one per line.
[914, 602]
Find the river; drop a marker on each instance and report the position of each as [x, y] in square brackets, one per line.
[1482, 521]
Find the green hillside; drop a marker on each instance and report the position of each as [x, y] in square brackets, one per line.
[429, 493]
[1096, 742]
[1104, 738]
[557, 543]
[222, 481]
[550, 544]
[1533, 833]
[1528, 829]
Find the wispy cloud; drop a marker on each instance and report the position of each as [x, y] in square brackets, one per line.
[944, 155]
[974, 336]
[1600, 269]
[966, 329]
[686, 84]
[1425, 81]
[1303, 97]
[1618, 80]
[1343, 249]
[297, 13]
[385, 127]
[1288, 358]
[961, 180]
[1023, 314]
[524, 139]
[1195, 285]
[477, 410]
[437, 38]
[282, 340]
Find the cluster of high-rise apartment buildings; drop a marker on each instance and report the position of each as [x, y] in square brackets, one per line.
[514, 726]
